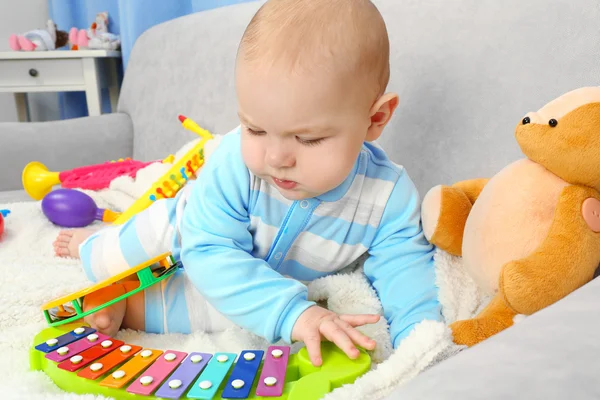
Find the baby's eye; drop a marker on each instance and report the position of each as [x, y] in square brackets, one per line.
[255, 132]
[309, 142]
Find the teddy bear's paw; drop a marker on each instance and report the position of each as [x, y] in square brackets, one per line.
[472, 331]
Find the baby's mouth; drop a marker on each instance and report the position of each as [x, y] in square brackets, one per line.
[284, 184]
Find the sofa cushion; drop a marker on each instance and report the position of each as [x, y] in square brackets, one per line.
[13, 196]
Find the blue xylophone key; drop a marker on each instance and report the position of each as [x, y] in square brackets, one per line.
[176, 385]
[210, 379]
[65, 339]
[242, 377]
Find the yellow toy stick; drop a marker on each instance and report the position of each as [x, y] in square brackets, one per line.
[176, 177]
[194, 127]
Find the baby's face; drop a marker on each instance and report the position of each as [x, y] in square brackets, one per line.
[302, 134]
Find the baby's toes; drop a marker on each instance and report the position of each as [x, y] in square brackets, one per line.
[62, 251]
[64, 236]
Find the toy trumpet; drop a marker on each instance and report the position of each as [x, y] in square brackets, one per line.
[38, 180]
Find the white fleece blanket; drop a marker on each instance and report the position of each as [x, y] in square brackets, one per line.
[32, 276]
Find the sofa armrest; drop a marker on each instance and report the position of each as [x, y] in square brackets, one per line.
[553, 354]
[62, 145]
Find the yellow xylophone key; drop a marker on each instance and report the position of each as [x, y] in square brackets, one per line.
[128, 371]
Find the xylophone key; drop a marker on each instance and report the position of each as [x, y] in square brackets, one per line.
[69, 337]
[76, 347]
[184, 376]
[272, 378]
[81, 360]
[153, 376]
[210, 379]
[131, 368]
[101, 366]
[242, 377]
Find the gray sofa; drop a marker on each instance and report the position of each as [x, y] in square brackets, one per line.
[466, 71]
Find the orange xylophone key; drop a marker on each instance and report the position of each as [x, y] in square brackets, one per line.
[129, 370]
[108, 362]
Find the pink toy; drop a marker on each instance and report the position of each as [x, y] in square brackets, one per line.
[97, 37]
[39, 39]
[99, 176]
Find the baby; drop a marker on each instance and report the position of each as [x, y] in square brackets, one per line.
[297, 192]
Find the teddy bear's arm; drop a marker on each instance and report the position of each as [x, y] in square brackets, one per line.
[445, 210]
[471, 188]
[565, 261]
[495, 317]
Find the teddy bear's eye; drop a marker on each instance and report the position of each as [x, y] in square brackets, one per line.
[553, 122]
[526, 120]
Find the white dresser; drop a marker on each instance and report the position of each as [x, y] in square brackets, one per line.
[23, 72]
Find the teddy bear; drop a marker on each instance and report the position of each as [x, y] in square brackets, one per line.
[97, 37]
[530, 235]
[39, 39]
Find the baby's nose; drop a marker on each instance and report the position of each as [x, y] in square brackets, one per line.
[280, 158]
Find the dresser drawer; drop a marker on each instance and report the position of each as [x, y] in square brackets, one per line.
[34, 73]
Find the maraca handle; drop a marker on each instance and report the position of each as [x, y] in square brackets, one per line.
[105, 215]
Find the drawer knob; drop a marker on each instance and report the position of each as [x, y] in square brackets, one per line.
[33, 72]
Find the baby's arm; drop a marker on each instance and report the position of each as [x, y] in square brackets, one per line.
[400, 265]
[216, 251]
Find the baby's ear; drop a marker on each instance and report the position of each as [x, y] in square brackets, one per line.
[380, 115]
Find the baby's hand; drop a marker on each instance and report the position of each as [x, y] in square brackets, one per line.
[317, 322]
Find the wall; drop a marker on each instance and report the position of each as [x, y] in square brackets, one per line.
[17, 17]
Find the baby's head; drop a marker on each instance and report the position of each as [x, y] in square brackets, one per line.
[310, 79]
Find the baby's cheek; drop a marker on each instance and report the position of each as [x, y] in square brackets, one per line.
[329, 170]
[252, 155]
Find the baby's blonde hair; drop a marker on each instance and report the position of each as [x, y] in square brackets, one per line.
[346, 37]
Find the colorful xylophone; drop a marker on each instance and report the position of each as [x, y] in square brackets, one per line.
[79, 359]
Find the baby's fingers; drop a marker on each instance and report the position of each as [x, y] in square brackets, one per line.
[336, 334]
[356, 336]
[359, 319]
[313, 346]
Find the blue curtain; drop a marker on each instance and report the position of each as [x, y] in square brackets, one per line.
[128, 18]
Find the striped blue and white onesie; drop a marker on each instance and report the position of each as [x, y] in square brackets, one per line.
[246, 249]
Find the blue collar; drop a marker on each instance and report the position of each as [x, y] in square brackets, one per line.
[341, 190]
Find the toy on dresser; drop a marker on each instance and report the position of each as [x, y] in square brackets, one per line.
[96, 37]
[80, 360]
[39, 39]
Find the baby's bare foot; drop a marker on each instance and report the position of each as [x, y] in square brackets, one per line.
[107, 320]
[67, 242]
